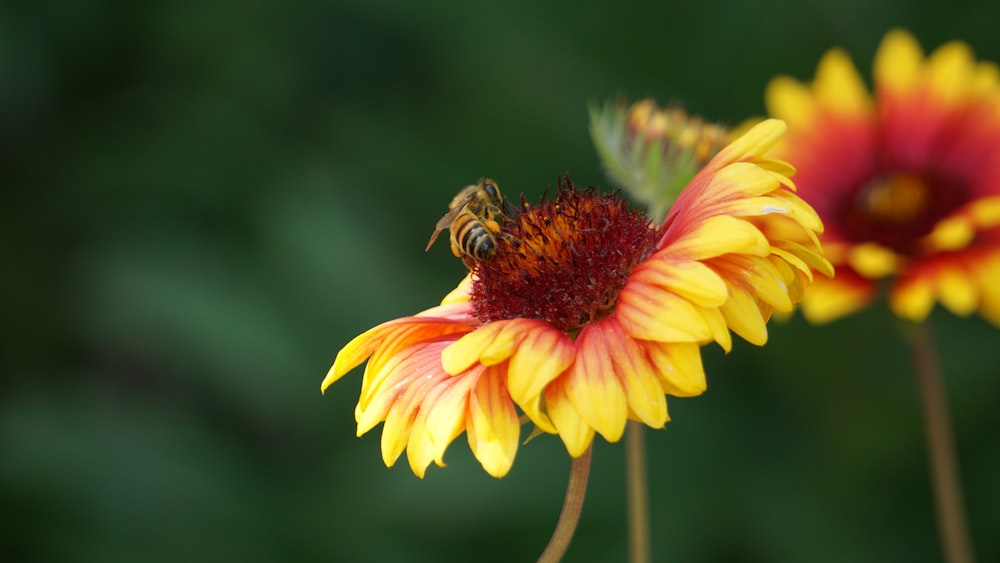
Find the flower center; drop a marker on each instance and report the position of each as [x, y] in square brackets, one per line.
[896, 209]
[564, 261]
[900, 198]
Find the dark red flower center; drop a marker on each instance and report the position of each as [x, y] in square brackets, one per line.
[564, 261]
[896, 209]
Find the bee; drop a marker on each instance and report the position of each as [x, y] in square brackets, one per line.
[473, 217]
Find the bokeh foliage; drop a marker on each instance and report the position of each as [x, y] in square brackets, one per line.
[202, 201]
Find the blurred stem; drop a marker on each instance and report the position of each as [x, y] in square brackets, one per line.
[953, 529]
[637, 483]
[576, 489]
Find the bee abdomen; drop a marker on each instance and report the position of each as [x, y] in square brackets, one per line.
[475, 239]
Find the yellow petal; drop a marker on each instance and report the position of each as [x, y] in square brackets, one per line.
[797, 209]
[783, 170]
[986, 271]
[405, 345]
[791, 101]
[839, 86]
[912, 299]
[419, 450]
[827, 299]
[357, 351]
[950, 70]
[719, 235]
[384, 390]
[399, 420]
[679, 367]
[898, 60]
[643, 391]
[542, 356]
[692, 280]
[717, 326]
[768, 283]
[803, 258]
[444, 411]
[755, 142]
[742, 180]
[957, 292]
[592, 387]
[461, 293]
[872, 260]
[744, 317]
[385, 340]
[489, 344]
[649, 313]
[493, 428]
[986, 211]
[953, 233]
[575, 433]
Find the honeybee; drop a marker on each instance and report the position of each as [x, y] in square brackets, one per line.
[473, 218]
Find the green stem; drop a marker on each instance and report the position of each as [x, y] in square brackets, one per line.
[576, 489]
[953, 529]
[637, 483]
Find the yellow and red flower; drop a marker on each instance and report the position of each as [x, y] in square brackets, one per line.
[907, 180]
[588, 316]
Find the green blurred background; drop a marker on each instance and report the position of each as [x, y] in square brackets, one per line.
[203, 201]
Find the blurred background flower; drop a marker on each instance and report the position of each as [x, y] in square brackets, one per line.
[907, 178]
[202, 201]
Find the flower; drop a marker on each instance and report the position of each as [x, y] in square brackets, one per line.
[588, 316]
[906, 180]
[654, 152]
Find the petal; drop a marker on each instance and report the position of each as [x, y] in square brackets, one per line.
[898, 61]
[912, 298]
[691, 280]
[444, 412]
[575, 433]
[381, 391]
[718, 235]
[791, 101]
[650, 313]
[394, 349]
[493, 427]
[489, 344]
[399, 420]
[755, 142]
[388, 338]
[986, 270]
[743, 315]
[872, 260]
[839, 86]
[950, 70]
[637, 376]
[592, 387]
[543, 355]
[717, 326]
[679, 367]
[830, 299]
[461, 293]
[957, 292]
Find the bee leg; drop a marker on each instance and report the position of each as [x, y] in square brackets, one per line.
[507, 237]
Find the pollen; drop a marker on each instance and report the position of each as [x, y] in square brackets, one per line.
[564, 261]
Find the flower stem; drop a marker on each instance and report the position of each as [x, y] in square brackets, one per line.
[637, 483]
[953, 529]
[576, 489]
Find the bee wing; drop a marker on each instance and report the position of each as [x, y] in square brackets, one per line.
[434, 237]
[456, 207]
